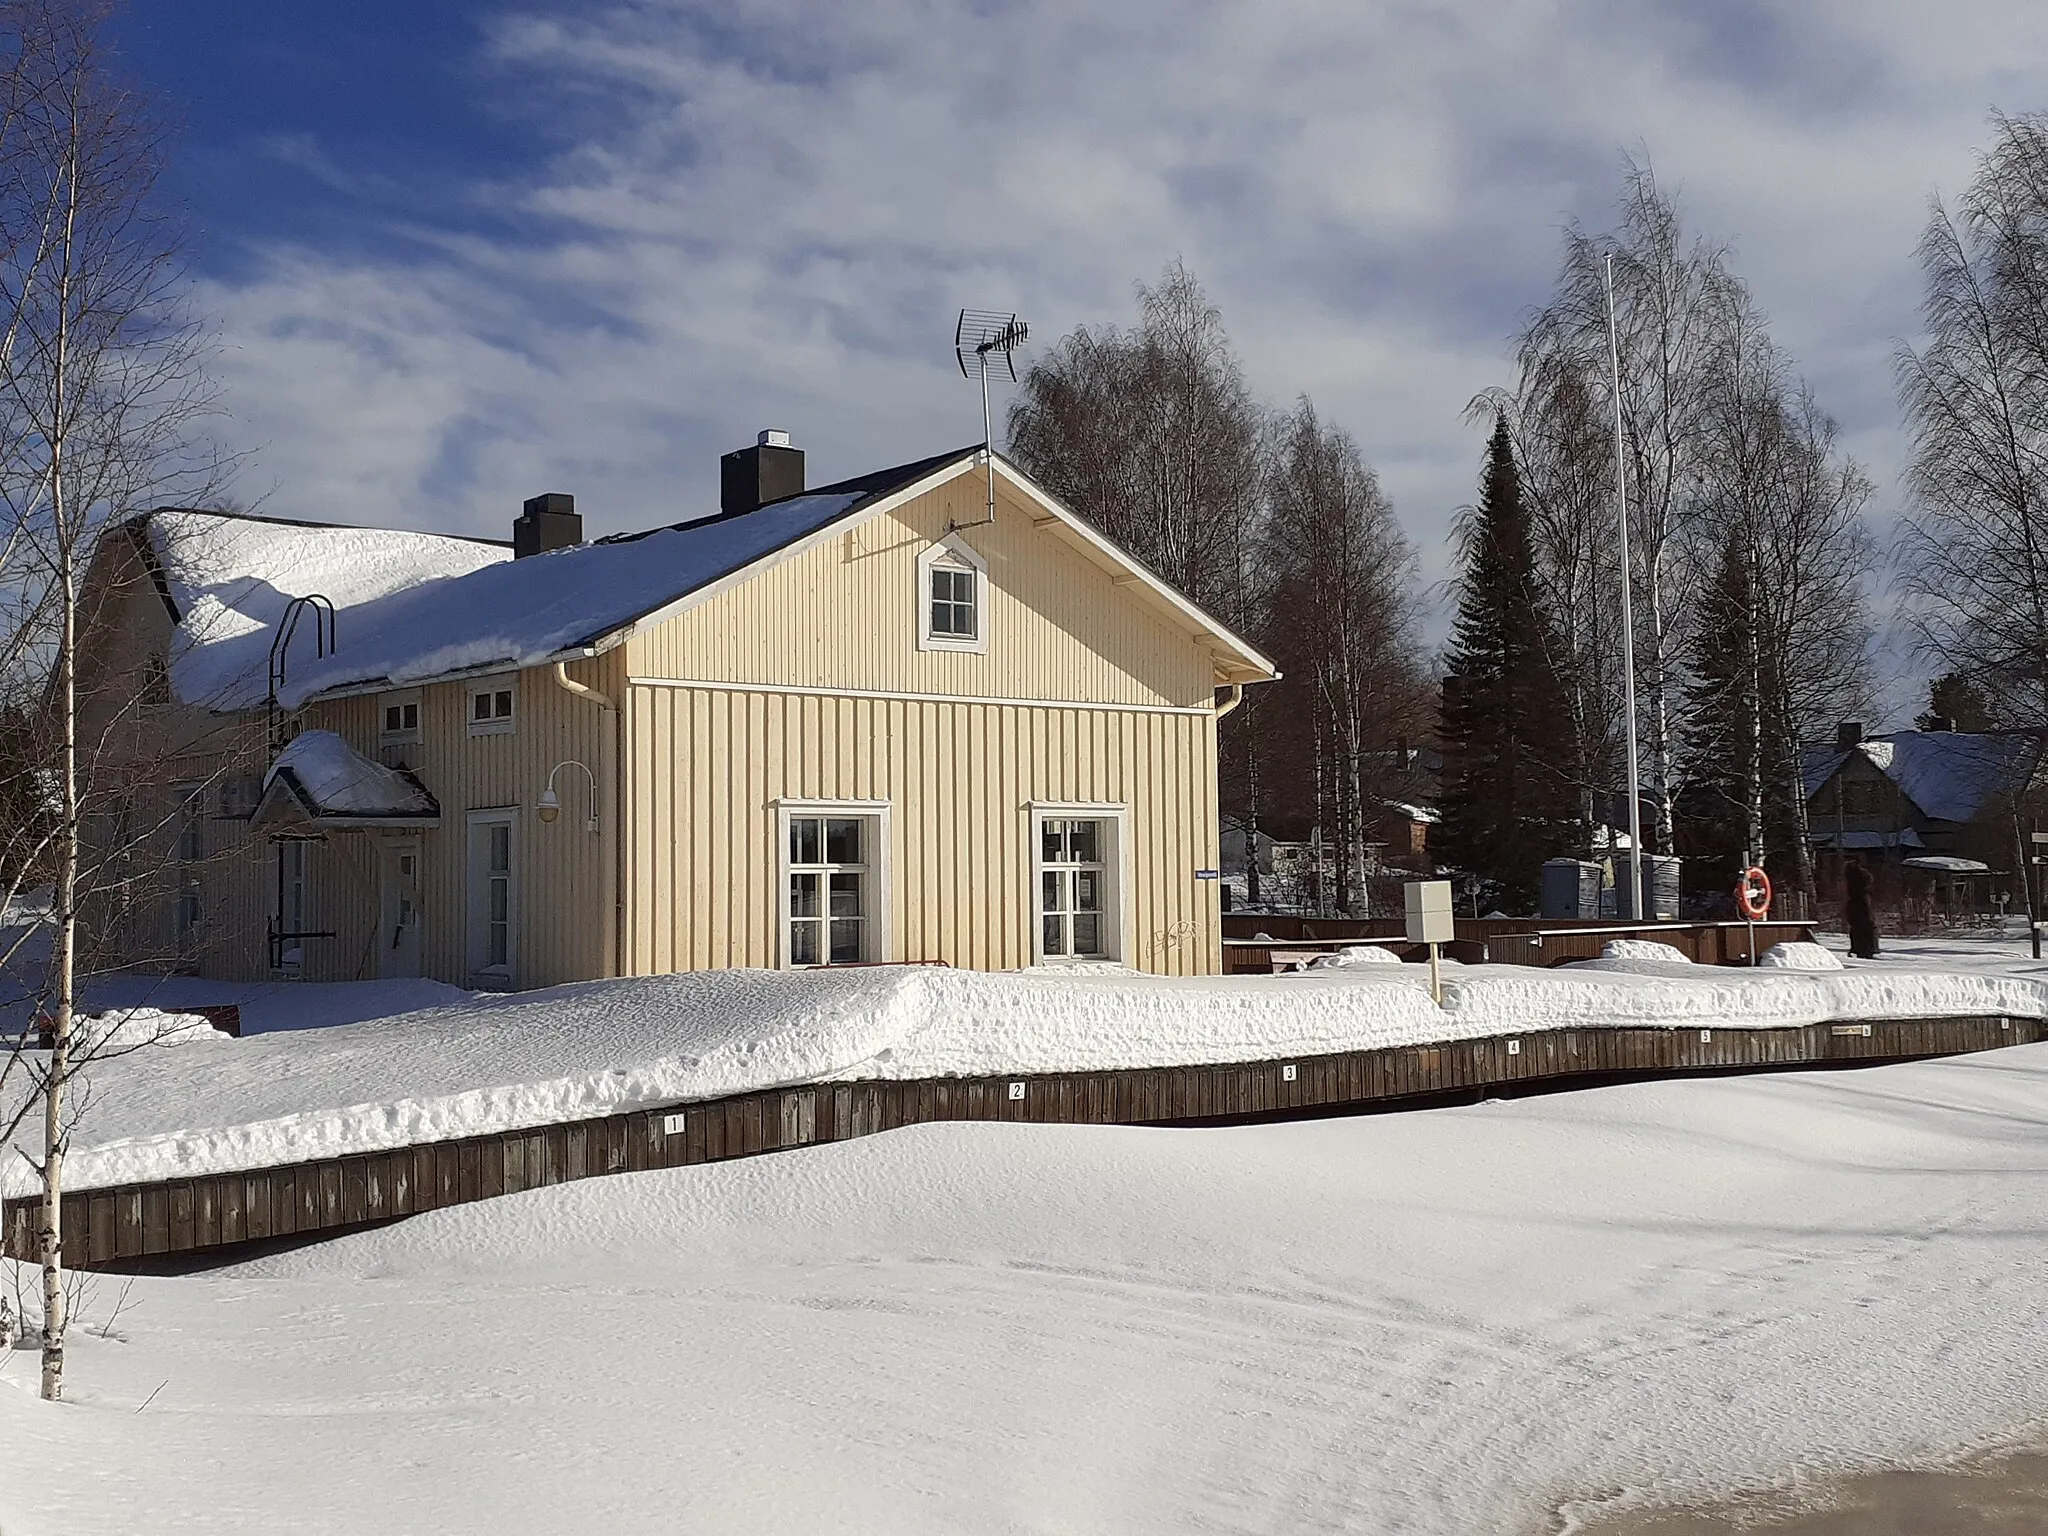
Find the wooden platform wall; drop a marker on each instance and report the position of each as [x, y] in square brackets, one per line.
[194, 1215]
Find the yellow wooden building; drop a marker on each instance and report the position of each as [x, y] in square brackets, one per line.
[864, 723]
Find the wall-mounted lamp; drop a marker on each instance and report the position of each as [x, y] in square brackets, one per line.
[551, 807]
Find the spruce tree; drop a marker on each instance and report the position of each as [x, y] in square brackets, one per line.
[1507, 802]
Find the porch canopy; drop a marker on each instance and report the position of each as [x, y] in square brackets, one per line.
[320, 778]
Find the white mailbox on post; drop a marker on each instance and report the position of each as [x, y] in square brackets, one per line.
[1430, 921]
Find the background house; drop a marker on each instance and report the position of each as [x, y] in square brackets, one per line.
[1935, 813]
[862, 723]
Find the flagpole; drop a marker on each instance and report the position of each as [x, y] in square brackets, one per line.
[1628, 627]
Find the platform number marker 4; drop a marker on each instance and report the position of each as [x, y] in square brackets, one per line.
[1514, 1047]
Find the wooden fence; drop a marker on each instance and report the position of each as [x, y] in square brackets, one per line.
[218, 1211]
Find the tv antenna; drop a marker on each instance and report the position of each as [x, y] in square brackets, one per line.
[980, 335]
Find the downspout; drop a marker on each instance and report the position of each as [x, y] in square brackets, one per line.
[1236, 692]
[610, 875]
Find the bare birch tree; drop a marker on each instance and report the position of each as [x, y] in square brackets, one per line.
[100, 385]
[1672, 297]
[1783, 556]
[1974, 549]
[1342, 623]
[1152, 435]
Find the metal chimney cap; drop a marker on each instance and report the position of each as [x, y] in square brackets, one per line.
[771, 437]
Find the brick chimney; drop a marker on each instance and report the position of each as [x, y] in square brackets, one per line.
[753, 477]
[547, 522]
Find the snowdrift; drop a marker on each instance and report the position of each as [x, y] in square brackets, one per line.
[505, 1063]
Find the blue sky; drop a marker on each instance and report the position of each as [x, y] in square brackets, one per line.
[459, 253]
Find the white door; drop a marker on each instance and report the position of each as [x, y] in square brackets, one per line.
[398, 936]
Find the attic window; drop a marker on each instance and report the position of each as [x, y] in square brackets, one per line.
[490, 707]
[952, 598]
[398, 718]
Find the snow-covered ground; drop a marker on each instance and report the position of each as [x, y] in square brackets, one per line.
[491, 1063]
[1445, 1322]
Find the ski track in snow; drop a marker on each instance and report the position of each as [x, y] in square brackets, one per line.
[1443, 1322]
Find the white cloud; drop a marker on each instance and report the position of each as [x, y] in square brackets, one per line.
[773, 209]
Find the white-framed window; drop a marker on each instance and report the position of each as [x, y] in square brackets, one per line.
[494, 897]
[1078, 884]
[398, 718]
[952, 591]
[491, 705]
[833, 873]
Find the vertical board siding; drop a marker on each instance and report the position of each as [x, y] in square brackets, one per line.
[565, 894]
[960, 780]
[845, 615]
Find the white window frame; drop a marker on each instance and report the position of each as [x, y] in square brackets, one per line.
[496, 725]
[954, 553]
[298, 892]
[1116, 907]
[405, 734]
[476, 916]
[881, 893]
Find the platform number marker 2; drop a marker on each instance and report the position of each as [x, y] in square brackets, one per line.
[1016, 1091]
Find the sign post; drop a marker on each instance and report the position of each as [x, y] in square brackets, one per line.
[1432, 922]
[1753, 901]
[2040, 842]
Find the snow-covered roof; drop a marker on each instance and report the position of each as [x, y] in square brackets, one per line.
[1947, 864]
[412, 608]
[1421, 813]
[1949, 775]
[323, 777]
[229, 579]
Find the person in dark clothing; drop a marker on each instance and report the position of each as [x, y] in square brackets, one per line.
[1862, 919]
